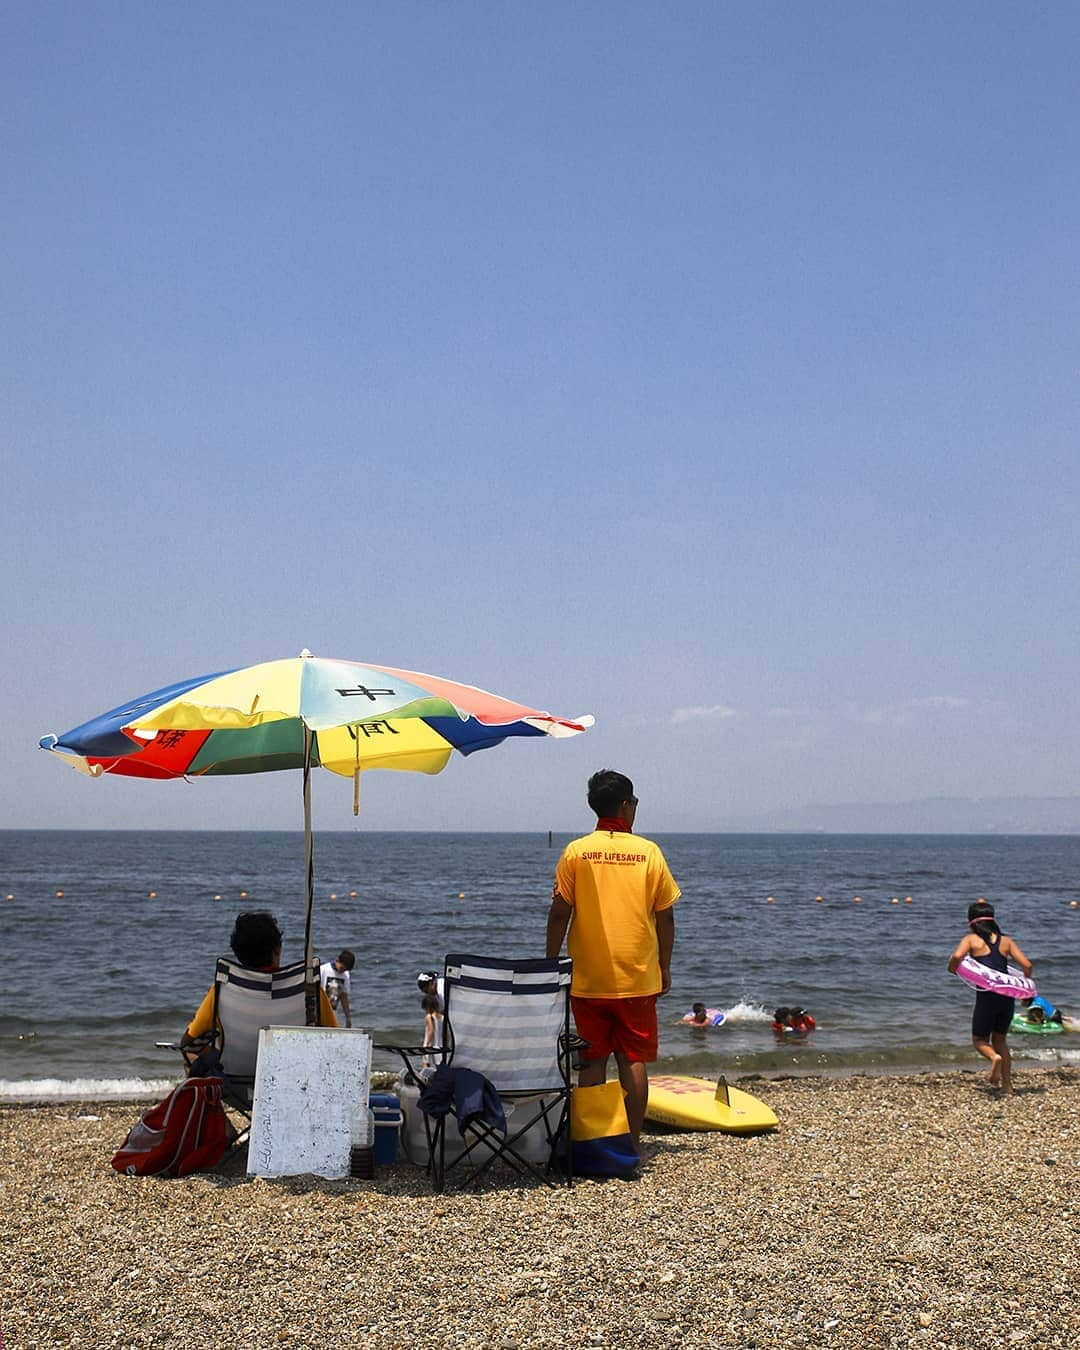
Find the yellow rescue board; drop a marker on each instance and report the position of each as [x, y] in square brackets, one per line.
[692, 1104]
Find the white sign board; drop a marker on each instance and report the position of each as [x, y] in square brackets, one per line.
[309, 1081]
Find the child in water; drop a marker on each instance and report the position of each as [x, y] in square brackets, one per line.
[1039, 1010]
[987, 944]
[788, 1020]
[700, 1016]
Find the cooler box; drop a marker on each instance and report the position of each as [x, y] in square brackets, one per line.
[387, 1111]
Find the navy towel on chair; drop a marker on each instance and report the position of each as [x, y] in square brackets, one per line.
[474, 1098]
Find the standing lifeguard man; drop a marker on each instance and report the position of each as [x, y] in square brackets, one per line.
[619, 892]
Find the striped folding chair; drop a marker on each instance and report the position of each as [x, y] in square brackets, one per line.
[245, 1001]
[509, 1021]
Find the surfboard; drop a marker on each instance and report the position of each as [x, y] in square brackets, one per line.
[693, 1104]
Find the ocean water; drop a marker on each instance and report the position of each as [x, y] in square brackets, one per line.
[94, 968]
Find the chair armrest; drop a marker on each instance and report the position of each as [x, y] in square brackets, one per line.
[413, 1057]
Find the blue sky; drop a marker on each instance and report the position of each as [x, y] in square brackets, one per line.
[709, 368]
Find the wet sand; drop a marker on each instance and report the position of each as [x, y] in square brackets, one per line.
[886, 1211]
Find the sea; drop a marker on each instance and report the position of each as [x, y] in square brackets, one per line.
[108, 940]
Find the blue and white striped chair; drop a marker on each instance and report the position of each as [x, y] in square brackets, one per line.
[509, 1020]
[245, 1001]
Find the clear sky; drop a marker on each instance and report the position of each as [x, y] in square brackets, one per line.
[708, 367]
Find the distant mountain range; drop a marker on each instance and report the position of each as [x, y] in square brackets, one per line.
[930, 815]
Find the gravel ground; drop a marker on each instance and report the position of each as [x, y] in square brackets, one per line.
[915, 1211]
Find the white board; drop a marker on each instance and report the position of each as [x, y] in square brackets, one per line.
[308, 1083]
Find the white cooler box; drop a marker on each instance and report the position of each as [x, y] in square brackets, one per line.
[533, 1145]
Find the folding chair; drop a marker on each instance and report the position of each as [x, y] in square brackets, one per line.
[245, 1001]
[509, 1021]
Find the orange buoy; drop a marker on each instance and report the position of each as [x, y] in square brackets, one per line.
[352, 895]
[11, 897]
[333, 895]
[217, 897]
[243, 895]
[461, 895]
[59, 895]
[857, 900]
[769, 900]
[907, 899]
[819, 899]
[153, 895]
[1072, 903]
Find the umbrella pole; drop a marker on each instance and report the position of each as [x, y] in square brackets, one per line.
[312, 986]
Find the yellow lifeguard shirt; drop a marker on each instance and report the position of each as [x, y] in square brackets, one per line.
[615, 882]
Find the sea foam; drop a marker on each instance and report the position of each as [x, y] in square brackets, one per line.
[747, 1012]
[82, 1089]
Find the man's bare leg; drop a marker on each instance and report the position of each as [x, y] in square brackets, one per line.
[593, 1072]
[634, 1078]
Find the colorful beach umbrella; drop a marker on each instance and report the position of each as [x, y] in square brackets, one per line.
[347, 716]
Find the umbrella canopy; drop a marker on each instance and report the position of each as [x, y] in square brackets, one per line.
[347, 716]
[253, 720]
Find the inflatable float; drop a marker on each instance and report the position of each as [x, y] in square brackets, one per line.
[713, 1018]
[1010, 983]
[1021, 1024]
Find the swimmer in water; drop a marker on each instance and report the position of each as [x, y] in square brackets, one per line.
[700, 1016]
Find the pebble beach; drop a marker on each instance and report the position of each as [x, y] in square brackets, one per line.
[922, 1210]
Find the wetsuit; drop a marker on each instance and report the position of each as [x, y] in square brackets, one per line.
[993, 1012]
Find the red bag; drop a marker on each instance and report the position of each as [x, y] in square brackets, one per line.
[187, 1132]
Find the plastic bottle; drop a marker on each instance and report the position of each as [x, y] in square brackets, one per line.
[362, 1141]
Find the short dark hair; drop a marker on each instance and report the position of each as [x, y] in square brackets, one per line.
[347, 958]
[698, 1007]
[255, 938]
[608, 790]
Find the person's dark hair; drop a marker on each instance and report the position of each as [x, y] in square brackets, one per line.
[347, 958]
[698, 1008]
[430, 1003]
[781, 1015]
[255, 938]
[608, 790]
[981, 920]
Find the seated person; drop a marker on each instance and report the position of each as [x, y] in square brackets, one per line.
[1038, 1010]
[256, 944]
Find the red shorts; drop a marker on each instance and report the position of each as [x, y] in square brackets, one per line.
[626, 1025]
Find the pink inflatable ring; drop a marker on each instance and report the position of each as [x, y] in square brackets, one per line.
[1009, 983]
